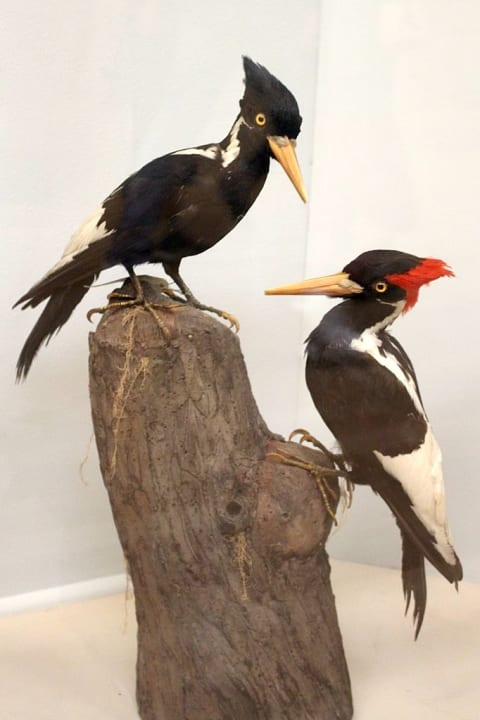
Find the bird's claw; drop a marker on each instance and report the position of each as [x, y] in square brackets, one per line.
[234, 324]
[124, 300]
[94, 311]
[319, 474]
[305, 436]
[138, 302]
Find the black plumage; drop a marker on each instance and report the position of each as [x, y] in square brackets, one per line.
[365, 389]
[178, 205]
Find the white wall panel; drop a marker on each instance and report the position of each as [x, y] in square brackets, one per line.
[397, 165]
[90, 92]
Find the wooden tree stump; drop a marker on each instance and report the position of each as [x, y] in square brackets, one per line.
[226, 549]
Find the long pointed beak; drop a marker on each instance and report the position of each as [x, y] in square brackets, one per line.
[338, 285]
[284, 150]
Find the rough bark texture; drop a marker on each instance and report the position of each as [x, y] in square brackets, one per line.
[236, 617]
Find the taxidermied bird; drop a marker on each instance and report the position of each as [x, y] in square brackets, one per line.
[365, 389]
[177, 205]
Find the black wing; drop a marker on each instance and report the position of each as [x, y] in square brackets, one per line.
[363, 404]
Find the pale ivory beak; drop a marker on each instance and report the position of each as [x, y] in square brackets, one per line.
[338, 285]
[284, 151]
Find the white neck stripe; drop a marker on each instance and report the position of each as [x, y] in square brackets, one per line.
[212, 152]
[370, 344]
[232, 150]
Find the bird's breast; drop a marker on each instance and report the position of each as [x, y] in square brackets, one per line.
[210, 208]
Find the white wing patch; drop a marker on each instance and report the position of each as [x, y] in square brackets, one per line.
[92, 229]
[420, 475]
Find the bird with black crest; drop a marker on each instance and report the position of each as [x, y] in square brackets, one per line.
[178, 205]
[364, 386]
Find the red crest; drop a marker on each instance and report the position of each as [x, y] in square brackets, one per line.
[411, 281]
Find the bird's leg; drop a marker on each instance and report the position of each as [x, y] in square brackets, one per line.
[139, 299]
[172, 270]
[319, 474]
[337, 459]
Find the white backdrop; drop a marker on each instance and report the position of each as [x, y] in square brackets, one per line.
[391, 103]
[93, 91]
[397, 165]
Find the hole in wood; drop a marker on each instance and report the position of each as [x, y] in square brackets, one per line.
[234, 508]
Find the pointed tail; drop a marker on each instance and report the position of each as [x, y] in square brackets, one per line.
[55, 314]
[414, 581]
[418, 543]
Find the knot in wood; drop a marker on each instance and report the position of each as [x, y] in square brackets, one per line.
[235, 516]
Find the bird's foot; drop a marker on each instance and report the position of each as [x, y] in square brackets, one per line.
[319, 473]
[305, 436]
[234, 324]
[124, 300]
[190, 298]
[337, 459]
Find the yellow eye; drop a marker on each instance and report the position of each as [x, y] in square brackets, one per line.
[260, 119]
[380, 286]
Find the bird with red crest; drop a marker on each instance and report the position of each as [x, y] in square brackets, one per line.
[364, 387]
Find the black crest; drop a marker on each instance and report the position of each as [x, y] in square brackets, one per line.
[264, 92]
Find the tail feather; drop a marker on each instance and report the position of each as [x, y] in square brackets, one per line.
[64, 286]
[414, 581]
[55, 314]
[412, 527]
[67, 274]
[417, 544]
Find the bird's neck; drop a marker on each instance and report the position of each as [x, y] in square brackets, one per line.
[352, 319]
[241, 145]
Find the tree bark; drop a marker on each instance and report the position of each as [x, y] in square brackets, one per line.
[225, 547]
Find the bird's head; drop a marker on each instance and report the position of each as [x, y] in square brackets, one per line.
[271, 112]
[389, 276]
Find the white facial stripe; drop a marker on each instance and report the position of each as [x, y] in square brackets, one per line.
[210, 152]
[92, 229]
[420, 475]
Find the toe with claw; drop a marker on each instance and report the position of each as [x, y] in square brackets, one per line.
[234, 324]
[119, 300]
[305, 436]
[319, 473]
